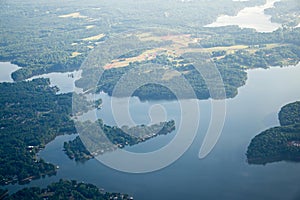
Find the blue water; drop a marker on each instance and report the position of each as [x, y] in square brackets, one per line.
[64, 80]
[224, 173]
[6, 68]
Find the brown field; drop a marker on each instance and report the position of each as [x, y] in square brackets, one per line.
[95, 37]
[169, 74]
[90, 26]
[74, 54]
[179, 46]
[180, 42]
[73, 15]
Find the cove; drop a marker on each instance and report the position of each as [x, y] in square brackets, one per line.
[6, 69]
[65, 81]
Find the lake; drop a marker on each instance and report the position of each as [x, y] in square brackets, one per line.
[250, 17]
[224, 173]
[64, 80]
[6, 68]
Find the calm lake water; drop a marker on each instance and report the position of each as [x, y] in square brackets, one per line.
[250, 17]
[6, 68]
[64, 80]
[224, 173]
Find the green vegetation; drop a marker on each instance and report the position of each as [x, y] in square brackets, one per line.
[31, 115]
[233, 35]
[278, 143]
[119, 137]
[259, 50]
[290, 114]
[52, 36]
[278, 48]
[36, 38]
[56, 37]
[63, 44]
[98, 103]
[65, 189]
[146, 92]
[76, 149]
[285, 12]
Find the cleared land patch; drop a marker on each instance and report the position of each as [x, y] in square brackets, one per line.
[74, 54]
[180, 44]
[73, 15]
[93, 38]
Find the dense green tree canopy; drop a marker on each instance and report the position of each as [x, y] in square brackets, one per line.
[278, 143]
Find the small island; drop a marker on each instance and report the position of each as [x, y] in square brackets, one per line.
[280, 143]
[65, 189]
[119, 137]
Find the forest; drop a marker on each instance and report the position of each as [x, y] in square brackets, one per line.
[31, 115]
[289, 114]
[65, 189]
[278, 143]
[285, 12]
[57, 39]
[233, 35]
[260, 50]
[64, 44]
[52, 36]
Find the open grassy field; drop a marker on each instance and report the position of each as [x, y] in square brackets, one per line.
[73, 15]
[74, 54]
[93, 38]
[180, 44]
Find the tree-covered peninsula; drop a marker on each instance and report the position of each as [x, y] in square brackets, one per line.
[119, 137]
[170, 58]
[65, 189]
[31, 115]
[278, 143]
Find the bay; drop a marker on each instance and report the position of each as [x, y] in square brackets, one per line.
[224, 173]
[65, 81]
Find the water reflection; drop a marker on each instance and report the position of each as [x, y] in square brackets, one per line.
[250, 17]
[190, 178]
